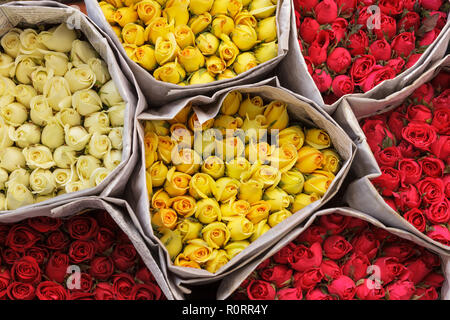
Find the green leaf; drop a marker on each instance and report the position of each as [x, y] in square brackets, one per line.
[387, 142]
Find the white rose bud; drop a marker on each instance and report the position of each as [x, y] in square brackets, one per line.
[14, 114]
[6, 65]
[40, 111]
[64, 157]
[80, 78]
[25, 66]
[58, 62]
[29, 42]
[100, 69]
[11, 159]
[57, 92]
[3, 178]
[24, 93]
[99, 145]
[2, 202]
[43, 198]
[76, 137]
[21, 176]
[112, 159]
[18, 196]
[58, 39]
[86, 102]
[82, 52]
[75, 186]
[6, 132]
[26, 135]
[109, 94]
[7, 89]
[38, 156]
[68, 116]
[86, 165]
[11, 42]
[42, 182]
[52, 135]
[62, 176]
[117, 114]
[40, 76]
[98, 176]
[97, 122]
[116, 137]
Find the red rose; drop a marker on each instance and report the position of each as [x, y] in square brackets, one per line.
[357, 225]
[433, 167]
[85, 285]
[368, 290]
[282, 256]
[21, 238]
[101, 268]
[362, 68]
[377, 76]
[426, 293]
[404, 43]
[380, 49]
[431, 4]
[144, 275]
[391, 203]
[408, 150]
[339, 60]
[81, 250]
[49, 290]
[326, 11]
[388, 182]
[308, 279]
[347, 7]
[409, 4]
[418, 269]
[334, 223]
[260, 290]
[104, 240]
[390, 268]
[280, 275]
[123, 284]
[147, 291]
[317, 52]
[304, 258]
[44, 224]
[38, 253]
[443, 100]
[439, 212]
[78, 295]
[366, 244]
[26, 270]
[425, 92]
[104, 291]
[441, 148]
[57, 265]
[419, 134]
[318, 294]
[412, 60]
[105, 220]
[313, 234]
[391, 7]
[431, 260]
[10, 256]
[401, 290]
[357, 43]
[309, 64]
[305, 6]
[396, 121]
[388, 28]
[397, 64]
[343, 287]
[4, 230]
[364, 14]
[356, 267]
[411, 20]
[407, 198]
[342, 85]
[431, 189]
[416, 218]
[440, 82]
[330, 269]
[434, 280]
[401, 251]
[264, 264]
[429, 37]
[339, 27]
[5, 280]
[57, 240]
[82, 227]
[441, 120]
[297, 23]
[322, 80]
[290, 294]
[446, 181]
[21, 291]
[335, 247]
[388, 157]
[419, 113]
[124, 256]
[309, 29]
[440, 234]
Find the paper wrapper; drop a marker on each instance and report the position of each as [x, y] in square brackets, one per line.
[361, 194]
[119, 212]
[207, 108]
[44, 13]
[159, 93]
[230, 283]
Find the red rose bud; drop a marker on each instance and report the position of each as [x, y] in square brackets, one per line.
[105, 220]
[381, 50]
[362, 68]
[410, 22]
[144, 275]
[429, 37]
[334, 223]
[49, 290]
[416, 218]
[407, 198]
[357, 225]
[425, 92]
[388, 182]
[412, 60]
[408, 150]
[370, 290]
[397, 64]
[418, 269]
[401, 251]
[308, 279]
[404, 43]
[419, 113]
[339, 60]
[123, 284]
[432, 190]
[391, 7]
[409, 4]
[356, 267]
[446, 181]
[86, 283]
[82, 227]
[440, 234]
[441, 121]
[124, 256]
[377, 135]
[298, 18]
[318, 294]
[305, 6]
[439, 213]
[104, 239]
[280, 275]
[358, 42]
[44, 224]
[101, 268]
[401, 290]
[339, 27]
[309, 64]
[388, 157]
[390, 202]
[343, 287]
[38, 253]
[318, 49]
[377, 76]
[265, 264]
[322, 80]
[21, 291]
[330, 269]
[26, 270]
[57, 240]
[366, 244]
[388, 28]
[434, 280]
[364, 14]
[148, 291]
[426, 293]
[9, 256]
[433, 167]
[396, 123]
[56, 268]
[104, 291]
[346, 7]
[304, 258]
[5, 280]
[21, 238]
[421, 135]
[260, 290]
[390, 269]
[80, 251]
[335, 247]
[326, 11]
[443, 100]
[290, 294]
[282, 256]
[78, 295]
[309, 29]
[431, 4]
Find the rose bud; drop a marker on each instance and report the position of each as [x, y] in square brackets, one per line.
[173, 242]
[305, 6]
[318, 294]
[214, 167]
[440, 234]
[235, 247]
[401, 290]
[244, 62]
[317, 52]
[411, 20]
[292, 181]
[240, 228]
[330, 269]
[222, 24]
[171, 72]
[309, 159]
[302, 200]
[59, 39]
[148, 10]
[441, 120]
[199, 23]
[24, 93]
[290, 294]
[304, 258]
[426, 294]
[343, 287]
[277, 115]
[309, 29]
[322, 80]
[263, 8]
[11, 158]
[326, 11]
[318, 182]
[381, 50]
[227, 50]
[208, 210]
[231, 103]
[201, 76]
[218, 259]
[260, 290]
[108, 11]
[359, 41]
[207, 43]
[259, 229]
[387, 29]
[251, 107]
[388, 182]
[189, 229]
[215, 65]
[424, 92]
[342, 85]
[197, 250]
[335, 247]
[266, 51]
[431, 4]
[18, 196]
[339, 60]
[368, 290]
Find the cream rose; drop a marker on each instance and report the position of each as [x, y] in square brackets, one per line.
[109, 94]
[6, 65]
[112, 159]
[29, 42]
[57, 92]
[7, 89]
[100, 69]
[99, 145]
[25, 65]
[85, 166]
[97, 122]
[11, 42]
[42, 182]
[62, 177]
[18, 196]
[75, 186]
[80, 78]
[68, 116]
[52, 135]
[76, 137]
[6, 132]
[3, 177]
[64, 157]
[86, 102]
[24, 93]
[82, 52]
[116, 137]
[58, 62]
[14, 114]
[98, 176]
[117, 114]
[27, 134]
[11, 158]
[21, 176]
[58, 39]
[38, 156]
[40, 110]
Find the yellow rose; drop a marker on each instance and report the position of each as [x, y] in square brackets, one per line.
[118, 31]
[115, 3]
[208, 211]
[230, 148]
[186, 160]
[332, 161]
[10, 42]
[302, 200]
[292, 135]
[261, 228]
[52, 136]
[181, 134]
[160, 200]
[266, 52]
[201, 186]
[165, 147]
[224, 123]
[39, 156]
[158, 172]
[268, 175]
[231, 103]
[277, 115]
[185, 206]
[18, 196]
[160, 127]
[150, 158]
[262, 8]
[177, 183]
[278, 199]
[222, 24]
[150, 142]
[236, 167]
[166, 49]
[201, 76]
[244, 62]
[133, 33]
[148, 10]
[145, 56]
[226, 74]
[244, 37]
[254, 129]
[158, 27]
[236, 247]
[164, 218]
[251, 191]
[228, 51]
[318, 182]
[219, 7]
[258, 211]
[216, 234]
[171, 72]
[240, 228]
[184, 36]
[200, 22]
[191, 59]
[252, 106]
[218, 259]
[234, 208]
[267, 29]
[284, 157]
[226, 189]
[125, 15]
[81, 53]
[108, 11]
[205, 141]
[173, 242]
[292, 181]
[258, 151]
[148, 183]
[197, 250]
[317, 138]
[195, 125]
[234, 7]
[245, 18]
[182, 261]
[279, 216]
[182, 116]
[200, 6]
[130, 50]
[190, 229]
[309, 159]
[215, 65]
[177, 12]
[207, 43]
[86, 165]
[214, 167]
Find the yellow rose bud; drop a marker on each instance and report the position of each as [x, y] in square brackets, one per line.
[258, 151]
[115, 3]
[148, 10]
[158, 172]
[177, 13]
[244, 37]
[158, 27]
[292, 135]
[125, 15]
[185, 206]
[230, 148]
[244, 62]
[236, 247]
[201, 76]
[284, 157]
[201, 186]
[234, 7]
[184, 36]
[224, 122]
[236, 167]
[234, 208]
[182, 135]
[215, 65]
[145, 56]
[317, 138]
[216, 234]
[148, 182]
[160, 127]
[231, 103]
[150, 155]
[200, 22]
[278, 199]
[164, 218]
[207, 43]
[171, 72]
[173, 242]
[266, 52]
[177, 183]
[279, 216]
[262, 8]
[251, 191]
[186, 160]
[190, 229]
[332, 161]
[226, 74]
[245, 18]
[256, 128]
[219, 7]
[191, 59]
[277, 115]
[150, 141]
[133, 34]
[240, 228]
[160, 200]
[309, 159]
[205, 141]
[292, 181]
[208, 211]
[268, 175]
[219, 258]
[182, 261]
[166, 49]
[222, 24]
[261, 228]
[182, 115]
[226, 189]
[318, 182]
[251, 106]
[200, 6]
[197, 250]
[267, 29]
[195, 125]
[258, 211]
[302, 200]
[228, 51]
[214, 167]
[108, 11]
[130, 49]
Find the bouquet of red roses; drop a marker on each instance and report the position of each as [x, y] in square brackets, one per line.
[412, 147]
[85, 257]
[345, 258]
[351, 46]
